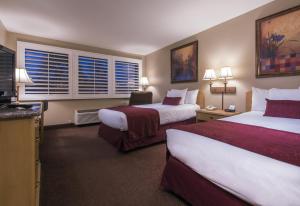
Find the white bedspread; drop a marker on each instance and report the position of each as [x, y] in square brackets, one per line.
[257, 179]
[167, 114]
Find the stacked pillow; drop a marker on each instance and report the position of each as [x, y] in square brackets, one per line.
[177, 93]
[186, 97]
[277, 102]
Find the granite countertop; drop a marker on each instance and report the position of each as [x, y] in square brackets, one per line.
[19, 113]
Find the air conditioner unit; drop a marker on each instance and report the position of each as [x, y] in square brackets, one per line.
[88, 116]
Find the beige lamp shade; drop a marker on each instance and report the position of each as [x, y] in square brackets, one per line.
[226, 73]
[210, 74]
[144, 81]
[22, 76]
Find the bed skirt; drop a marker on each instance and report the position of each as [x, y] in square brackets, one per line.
[120, 139]
[192, 187]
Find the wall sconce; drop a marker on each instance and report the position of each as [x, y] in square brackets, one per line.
[144, 83]
[210, 75]
[225, 74]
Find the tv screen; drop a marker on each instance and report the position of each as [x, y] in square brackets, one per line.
[7, 74]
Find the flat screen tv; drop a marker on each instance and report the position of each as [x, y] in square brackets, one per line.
[7, 74]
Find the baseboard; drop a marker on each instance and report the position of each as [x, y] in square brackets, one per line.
[67, 125]
[58, 126]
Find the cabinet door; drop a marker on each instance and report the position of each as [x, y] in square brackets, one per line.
[17, 159]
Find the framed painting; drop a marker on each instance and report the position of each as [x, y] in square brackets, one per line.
[184, 63]
[278, 44]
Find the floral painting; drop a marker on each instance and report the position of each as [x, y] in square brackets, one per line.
[184, 63]
[278, 44]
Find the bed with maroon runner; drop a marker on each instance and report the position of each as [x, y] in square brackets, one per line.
[142, 122]
[280, 145]
[193, 187]
[143, 128]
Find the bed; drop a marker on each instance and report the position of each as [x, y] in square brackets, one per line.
[114, 123]
[205, 171]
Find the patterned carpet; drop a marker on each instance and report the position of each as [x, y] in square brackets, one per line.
[80, 169]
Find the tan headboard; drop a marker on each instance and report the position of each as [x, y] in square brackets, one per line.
[201, 99]
[248, 101]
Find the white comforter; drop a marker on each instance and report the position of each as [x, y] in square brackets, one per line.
[167, 114]
[257, 179]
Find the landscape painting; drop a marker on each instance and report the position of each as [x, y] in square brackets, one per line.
[184, 63]
[278, 44]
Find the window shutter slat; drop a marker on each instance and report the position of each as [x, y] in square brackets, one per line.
[126, 77]
[91, 73]
[49, 68]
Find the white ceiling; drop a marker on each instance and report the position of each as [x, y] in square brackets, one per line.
[134, 26]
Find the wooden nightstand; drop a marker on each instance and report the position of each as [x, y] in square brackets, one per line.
[206, 115]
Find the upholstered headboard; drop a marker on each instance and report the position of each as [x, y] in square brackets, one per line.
[201, 99]
[248, 101]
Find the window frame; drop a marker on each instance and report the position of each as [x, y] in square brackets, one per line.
[76, 55]
[21, 46]
[125, 59]
[73, 72]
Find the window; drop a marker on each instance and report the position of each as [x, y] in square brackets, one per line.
[127, 76]
[92, 75]
[49, 70]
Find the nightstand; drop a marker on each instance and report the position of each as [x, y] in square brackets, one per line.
[206, 115]
[138, 98]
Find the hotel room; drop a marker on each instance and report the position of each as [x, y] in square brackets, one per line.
[149, 102]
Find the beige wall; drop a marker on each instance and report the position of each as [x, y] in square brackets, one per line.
[62, 112]
[3, 34]
[231, 43]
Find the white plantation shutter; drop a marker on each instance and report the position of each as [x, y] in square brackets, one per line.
[92, 76]
[55, 76]
[127, 76]
[49, 69]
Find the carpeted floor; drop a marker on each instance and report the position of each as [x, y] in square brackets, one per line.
[80, 169]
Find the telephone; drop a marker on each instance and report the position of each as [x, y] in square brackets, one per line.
[231, 108]
[211, 107]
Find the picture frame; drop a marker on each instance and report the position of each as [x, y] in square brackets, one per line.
[184, 63]
[278, 44]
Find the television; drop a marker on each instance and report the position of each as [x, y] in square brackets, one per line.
[7, 75]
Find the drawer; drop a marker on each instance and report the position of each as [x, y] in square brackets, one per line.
[207, 117]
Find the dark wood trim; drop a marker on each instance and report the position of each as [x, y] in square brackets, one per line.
[180, 47]
[59, 126]
[68, 125]
[258, 41]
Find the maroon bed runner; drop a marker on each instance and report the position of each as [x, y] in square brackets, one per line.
[142, 122]
[276, 144]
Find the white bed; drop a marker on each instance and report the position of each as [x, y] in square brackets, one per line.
[250, 176]
[167, 114]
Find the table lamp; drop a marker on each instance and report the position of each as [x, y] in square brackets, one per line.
[144, 83]
[22, 78]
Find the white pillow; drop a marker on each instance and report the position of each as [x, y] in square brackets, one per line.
[191, 97]
[177, 93]
[259, 99]
[284, 94]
